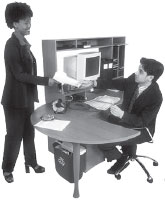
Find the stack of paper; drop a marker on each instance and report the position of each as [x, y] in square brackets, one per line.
[69, 146]
[107, 99]
[57, 125]
[103, 102]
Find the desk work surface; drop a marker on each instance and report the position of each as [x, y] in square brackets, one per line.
[86, 127]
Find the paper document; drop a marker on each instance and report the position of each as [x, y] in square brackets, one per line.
[69, 146]
[62, 78]
[57, 125]
[107, 99]
[103, 102]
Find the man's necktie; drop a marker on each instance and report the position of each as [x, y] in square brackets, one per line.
[134, 97]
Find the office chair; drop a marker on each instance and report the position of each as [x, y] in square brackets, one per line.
[136, 158]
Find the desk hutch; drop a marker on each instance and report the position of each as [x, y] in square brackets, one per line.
[112, 57]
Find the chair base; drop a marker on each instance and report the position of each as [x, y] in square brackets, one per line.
[149, 178]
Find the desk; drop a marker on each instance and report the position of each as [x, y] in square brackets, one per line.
[86, 127]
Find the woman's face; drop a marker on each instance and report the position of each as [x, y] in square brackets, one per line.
[23, 26]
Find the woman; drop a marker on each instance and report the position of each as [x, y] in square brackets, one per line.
[20, 91]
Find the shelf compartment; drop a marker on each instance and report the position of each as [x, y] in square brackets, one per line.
[65, 44]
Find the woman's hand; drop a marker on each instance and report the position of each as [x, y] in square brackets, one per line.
[52, 82]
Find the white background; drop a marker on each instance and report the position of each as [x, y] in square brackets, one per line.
[142, 22]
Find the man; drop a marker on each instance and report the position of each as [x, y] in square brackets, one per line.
[142, 99]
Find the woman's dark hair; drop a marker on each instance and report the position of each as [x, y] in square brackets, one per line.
[152, 67]
[16, 11]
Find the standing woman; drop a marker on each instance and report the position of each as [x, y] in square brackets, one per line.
[20, 91]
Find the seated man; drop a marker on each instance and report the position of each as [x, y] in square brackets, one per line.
[141, 102]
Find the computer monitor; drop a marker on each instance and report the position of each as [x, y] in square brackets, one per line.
[83, 66]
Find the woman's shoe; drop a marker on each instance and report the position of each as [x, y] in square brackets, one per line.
[8, 177]
[37, 168]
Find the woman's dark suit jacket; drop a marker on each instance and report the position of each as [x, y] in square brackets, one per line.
[145, 108]
[20, 88]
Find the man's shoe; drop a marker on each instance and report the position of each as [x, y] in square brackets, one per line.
[8, 177]
[113, 154]
[118, 165]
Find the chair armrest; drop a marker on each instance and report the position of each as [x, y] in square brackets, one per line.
[148, 131]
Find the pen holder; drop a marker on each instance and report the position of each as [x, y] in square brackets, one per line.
[68, 100]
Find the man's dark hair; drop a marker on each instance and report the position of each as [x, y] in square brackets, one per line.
[152, 67]
[16, 11]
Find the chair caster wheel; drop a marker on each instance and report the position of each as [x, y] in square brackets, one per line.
[155, 163]
[118, 176]
[150, 179]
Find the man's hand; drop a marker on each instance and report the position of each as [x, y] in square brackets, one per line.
[85, 83]
[52, 82]
[116, 111]
[95, 83]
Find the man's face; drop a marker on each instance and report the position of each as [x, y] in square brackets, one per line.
[23, 26]
[141, 76]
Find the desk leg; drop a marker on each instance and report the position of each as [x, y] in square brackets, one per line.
[76, 168]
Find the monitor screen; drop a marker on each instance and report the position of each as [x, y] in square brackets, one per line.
[92, 66]
[83, 66]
